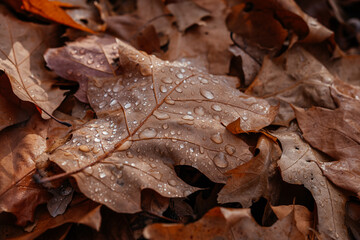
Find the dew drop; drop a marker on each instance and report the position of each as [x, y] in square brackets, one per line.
[172, 182]
[97, 140]
[216, 108]
[163, 89]
[201, 150]
[161, 115]
[205, 81]
[180, 75]
[188, 117]
[116, 88]
[165, 126]
[206, 94]
[230, 149]
[179, 90]
[220, 160]
[105, 133]
[127, 106]
[148, 133]
[102, 175]
[69, 71]
[169, 101]
[102, 104]
[90, 61]
[216, 138]
[199, 111]
[84, 148]
[113, 102]
[88, 170]
[129, 154]
[167, 80]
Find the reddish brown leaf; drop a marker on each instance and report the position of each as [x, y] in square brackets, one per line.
[154, 116]
[336, 133]
[49, 10]
[21, 145]
[222, 223]
[299, 164]
[252, 180]
[22, 61]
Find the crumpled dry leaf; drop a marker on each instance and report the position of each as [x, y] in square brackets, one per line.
[187, 13]
[51, 10]
[21, 59]
[223, 223]
[12, 109]
[297, 78]
[336, 133]
[80, 60]
[268, 23]
[82, 212]
[302, 216]
[250, 181]
[21, 145]
[299, 165]
[154, 116]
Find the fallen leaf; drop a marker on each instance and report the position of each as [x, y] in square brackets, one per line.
[21, 145]
[21, 59]
[223, 223]
[12, 109]
[336, 133]
[299, 165]
[50, 10]
[252, 180]
[84, 212]
[62, 196]
[302, 216]
[80, 60]
[187, 13]
[154, 116]
[352, 218]
[297, 78]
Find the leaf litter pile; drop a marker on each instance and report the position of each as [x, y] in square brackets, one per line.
[164, 119]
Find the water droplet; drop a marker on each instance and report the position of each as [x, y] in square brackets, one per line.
[129, 154]
[169, 101]
[172, 182]
[188, 117]
[84, 148]
[199, 111]
[102, 104]
[161, 115]
[165, 126]
[69, 71]
[90, 61]
[220, 160]
[113, 102]
[216, 108]
[205, 81]
[97, 140]
[206, 94]
[163, 89]
[180, 75]
[179, 90]
[116, 88]
[105, 133]
[128, 105]
[230, 149]
[216, 138]
[148, 133]
[201, 150]
[88, 170]
[182, 70]
[167, 80]
[102, 175]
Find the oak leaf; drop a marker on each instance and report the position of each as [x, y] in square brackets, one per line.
[80, 60]
[223, 223]
[153, 116]
[21, 59]
[299, 164]
[252, 180]
[51, 10]
[21, 145]
[336, 133]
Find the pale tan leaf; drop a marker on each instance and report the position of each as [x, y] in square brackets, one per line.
[21, 59]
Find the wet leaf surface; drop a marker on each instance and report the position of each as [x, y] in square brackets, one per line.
[146, 123]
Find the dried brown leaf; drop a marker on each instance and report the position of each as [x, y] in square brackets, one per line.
[299, 164]
[336, 133]
[250, 181]
[21, 59]
[21, 145]
[154, 116]
[222, 223]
